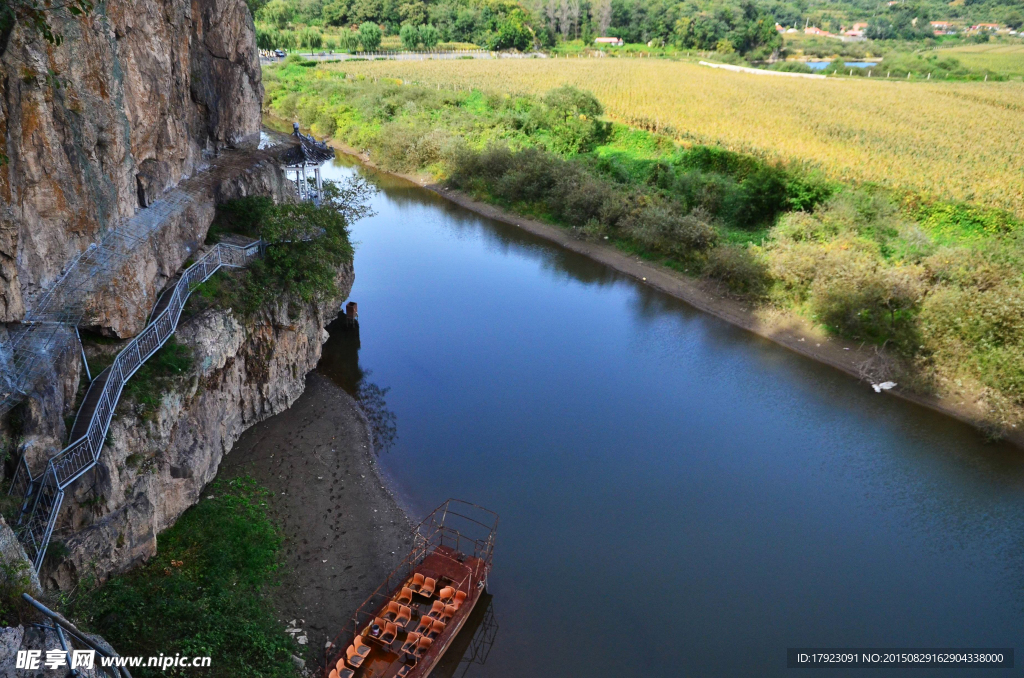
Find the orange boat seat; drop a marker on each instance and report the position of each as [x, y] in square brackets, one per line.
[391, 613]
[422, 646]
[436, 628]
[436, 610]
[342, 671]
[460, 598]
[424, 624]
[417, 581]
[404, 615]
[354, 659]
[449, 612]
[408, 663]
[361, 648]
[446, 594]
[405, 596]
[428, 587]
[410, 642]
[390, 633]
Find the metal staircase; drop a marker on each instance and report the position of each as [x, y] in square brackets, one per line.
[44, 494]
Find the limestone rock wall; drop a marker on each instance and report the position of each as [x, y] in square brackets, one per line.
[100, 125]
[155, 467]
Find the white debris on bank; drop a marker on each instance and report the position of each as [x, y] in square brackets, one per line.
[761, 71]
[884, 386]
[296, 632]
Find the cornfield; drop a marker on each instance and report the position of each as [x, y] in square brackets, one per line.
[960, 141]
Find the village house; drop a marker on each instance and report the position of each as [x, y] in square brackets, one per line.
[814, 30]
[611, 42]
[856, 31]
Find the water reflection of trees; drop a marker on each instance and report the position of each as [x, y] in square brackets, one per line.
[502, 237]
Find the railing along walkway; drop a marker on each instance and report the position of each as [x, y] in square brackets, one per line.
[28, 356]
[45, 493]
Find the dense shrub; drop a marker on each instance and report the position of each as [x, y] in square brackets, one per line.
[577, 196]
[573, 120]
[791, 67]
[529, 178]
[661, 227]
[859, 298]
[306, 244]
[404, 147]
[742, 269]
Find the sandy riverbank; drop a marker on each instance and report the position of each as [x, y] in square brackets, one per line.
[344, 531]
[785, 329]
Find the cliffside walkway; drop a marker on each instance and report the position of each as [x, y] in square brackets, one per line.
[48, 328]
[44, 494]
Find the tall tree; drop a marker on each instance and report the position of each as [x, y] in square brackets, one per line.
[369, 35]
[601, 13]
[573, 11]
[563, 18]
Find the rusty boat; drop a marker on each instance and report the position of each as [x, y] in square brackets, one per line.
[404, 628]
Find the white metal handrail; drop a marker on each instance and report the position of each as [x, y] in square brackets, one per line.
[83, 454]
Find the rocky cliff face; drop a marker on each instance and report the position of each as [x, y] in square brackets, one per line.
[155, 465]
[122, 310]
[100, 126]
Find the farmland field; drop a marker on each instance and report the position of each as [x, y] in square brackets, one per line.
[961, 141]
[1000, 58]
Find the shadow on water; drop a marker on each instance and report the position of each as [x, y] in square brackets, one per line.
[340, 363]
[473, 644]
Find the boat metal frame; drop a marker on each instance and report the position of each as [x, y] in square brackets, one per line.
[450, 525]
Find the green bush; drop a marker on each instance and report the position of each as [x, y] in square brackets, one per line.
[205, 592]
[791, 67]
[740, 268]
[857, 297]
[405, 147]
[147, 386]
[306, 245]
[14, 580]
[660, 227]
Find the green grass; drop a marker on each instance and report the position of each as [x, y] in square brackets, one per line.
[997, 57]
[204, 593]
[147, 386]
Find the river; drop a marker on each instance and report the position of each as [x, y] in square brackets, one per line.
[678, 497]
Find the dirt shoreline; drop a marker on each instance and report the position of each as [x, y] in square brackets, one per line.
[789, 331]
[344, 530]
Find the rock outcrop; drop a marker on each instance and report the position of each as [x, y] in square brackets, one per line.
[155, 465]
[135, 98]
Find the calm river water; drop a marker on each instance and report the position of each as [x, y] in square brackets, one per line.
[677, 497]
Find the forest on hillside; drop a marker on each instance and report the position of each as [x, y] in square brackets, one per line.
[744, 26]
